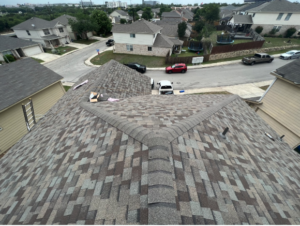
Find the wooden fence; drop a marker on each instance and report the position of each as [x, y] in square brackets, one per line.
[237, 47]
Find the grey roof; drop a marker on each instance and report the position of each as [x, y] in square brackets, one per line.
[157, 10]
[169, 20]
[225, 13]
[187, 14]
[172, 14]
[139, 27]
[51, 37]
[64, 19]
[121, 12]
[290, 71]
[38, 24]
[140, 12]
[229, 7]
[249, 6]
[276, 6]
[176, 41]
[242, 19]
[170, 30]
[23, 78]
[8, 43]
[163, 41]
[114, 163]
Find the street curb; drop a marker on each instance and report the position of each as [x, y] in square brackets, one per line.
[88, 61]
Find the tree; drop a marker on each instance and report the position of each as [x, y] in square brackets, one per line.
[163, 8]
[103, 22]
[123, 21]
[196, 4]
[211, 12]
[207, 30]
[82, 25]
[181, 29]
[198, 26]
[259, 29]
[147, 13]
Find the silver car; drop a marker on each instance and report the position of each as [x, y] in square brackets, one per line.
[293, 54]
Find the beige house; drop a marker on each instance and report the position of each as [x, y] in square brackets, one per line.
[20, 81]
[280, 105]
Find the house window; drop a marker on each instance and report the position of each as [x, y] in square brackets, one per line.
[61, 30]
[28, 32]
[46, 31]
[132, 35]
[253, 15]
[279, 16]
[288, 16]
[129, 47]
[276, 28]
[149, 48]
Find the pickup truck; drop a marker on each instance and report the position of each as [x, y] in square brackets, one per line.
[165, 87]
[258, 58]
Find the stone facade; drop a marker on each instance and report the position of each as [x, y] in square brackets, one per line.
[269, 27]
[142, 50]
[248, 52]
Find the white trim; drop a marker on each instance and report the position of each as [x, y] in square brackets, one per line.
[267, 90]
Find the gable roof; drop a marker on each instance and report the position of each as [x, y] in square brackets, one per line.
[37, 22]
[139, 27]
[96, 163]
[121, 12]
[276, 6]
[172, 14]
[8, 43]
[187, 14]
[64, 19]
[290, 71]
[170, 29]
[162, 41]
[23, 78]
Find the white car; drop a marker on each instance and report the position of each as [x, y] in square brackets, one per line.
[165, 87]
[293, 54]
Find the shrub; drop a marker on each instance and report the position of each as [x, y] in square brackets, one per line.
[289, 32]
[279, 36]
[272, 32]
[10, 58]
[259, 29]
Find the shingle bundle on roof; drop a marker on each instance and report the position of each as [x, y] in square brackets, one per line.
[139, 27]
[148, 159]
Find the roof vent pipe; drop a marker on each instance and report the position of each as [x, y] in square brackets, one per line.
[223, 135]
[280, 138]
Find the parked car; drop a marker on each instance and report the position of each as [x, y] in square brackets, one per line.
[258, 58]
[110, 42]
[165, 87]
[176, 68]
[152, 83]
[138, 67]
[293, 54]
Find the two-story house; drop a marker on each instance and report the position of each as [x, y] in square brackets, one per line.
[120, 14]
[48, 33]
[142, 38]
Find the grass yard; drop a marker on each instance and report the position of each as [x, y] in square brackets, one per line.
[67, 88]
[85, 41]
[38, 60]
[213, 39]
[61, 50]
[273, 42]
[149, 61]
[188, 53]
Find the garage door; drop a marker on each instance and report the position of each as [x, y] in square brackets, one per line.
[31, 51]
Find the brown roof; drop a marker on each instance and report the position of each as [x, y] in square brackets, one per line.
[148, 160]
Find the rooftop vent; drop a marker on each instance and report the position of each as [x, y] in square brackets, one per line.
[223, 135]
[280, 138]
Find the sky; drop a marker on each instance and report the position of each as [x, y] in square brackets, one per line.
[14, 2]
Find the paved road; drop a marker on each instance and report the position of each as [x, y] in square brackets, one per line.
[72, 66]
[227, 75]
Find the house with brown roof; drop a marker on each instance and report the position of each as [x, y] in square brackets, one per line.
[142, 38]
[23, 82]
[148, 159]
[280, 105]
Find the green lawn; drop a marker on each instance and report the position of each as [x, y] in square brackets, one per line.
[67, 88]
[62, 50]
[213, 39]
[149, 61]
[86, 42]
[273, 42]
[38, 60]
[188, 53]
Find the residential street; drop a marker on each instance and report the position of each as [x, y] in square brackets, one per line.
[72, 66]
[227, 75]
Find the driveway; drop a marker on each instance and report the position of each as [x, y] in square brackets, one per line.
[46, 57]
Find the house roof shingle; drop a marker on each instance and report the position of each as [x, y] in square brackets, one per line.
[8, 43]
[148, 159]
[242, 19]
[170, 29]
[276, 6]
[140, 27]
[172, 14]
[121, 12]
[21, 79]
[37, 22]
[162, 41]
[64, 19]
[290, 71]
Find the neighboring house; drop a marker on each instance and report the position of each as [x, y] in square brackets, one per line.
[115, 20]
[155, 12]
[226, 11]
[186, 14]
[18, 47]
[170, 15]
[140, 13]
[141, 37]
[148, 160]
[21, 80]
[170, 28]
[121, 14]
[48, 33]
[280, 105]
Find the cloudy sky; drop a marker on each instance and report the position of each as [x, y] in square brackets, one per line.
[12, 2]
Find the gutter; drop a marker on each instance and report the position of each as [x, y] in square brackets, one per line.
[267, 90]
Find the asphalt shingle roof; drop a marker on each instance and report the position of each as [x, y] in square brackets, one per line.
[170, 29]
[290, 71]
[148, 159]
[162, 41]
[8, 43]
[22, 78]
[172, 14]
[276, 6]
[37, 22]
[121, 12]
[64, 19]
[242, 19]
[140, 27]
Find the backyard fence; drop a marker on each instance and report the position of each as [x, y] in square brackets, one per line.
[237, 47]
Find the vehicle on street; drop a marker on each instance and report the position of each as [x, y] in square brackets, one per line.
[165, 87]
[110, 42]
[180, 68]
[293, 54]
[152, 83]
[258, 58]
[138, 67]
